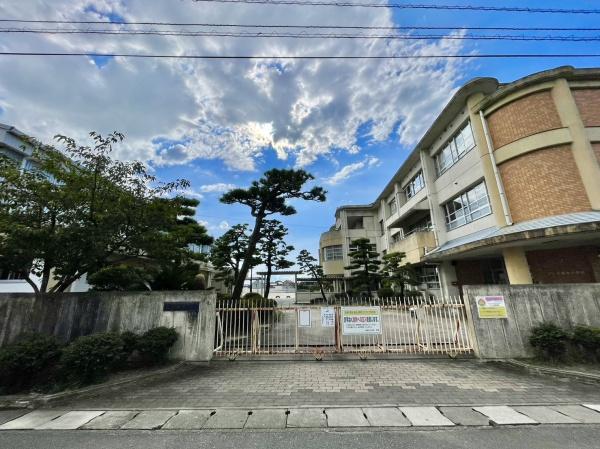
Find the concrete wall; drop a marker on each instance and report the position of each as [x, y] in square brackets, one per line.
[566, 305]
[70, 315]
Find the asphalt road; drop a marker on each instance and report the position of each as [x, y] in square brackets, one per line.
[536, 437]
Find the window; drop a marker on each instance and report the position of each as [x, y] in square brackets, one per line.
[381, 227]
[415, 185]
[393, 207]
[333, 253]
[429, 277]
[419, 226]
[458, 146]
[6, 275]
[354, 247]
[355, 223]
[467, 207]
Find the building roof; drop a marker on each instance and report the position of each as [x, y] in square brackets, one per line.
[496, 235]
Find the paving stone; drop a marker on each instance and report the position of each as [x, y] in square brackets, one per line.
[545, 415]
[425, 416]
[582, 414]
[149, 419]
[465, 416]
[188, 419]
[227, 419]
[593, 406]
[71, 420]
[31, 420]
[346, 417]
[504, 415]
[266, 419]
[9, 415]
[306, 418]
[110, 420]
[386, 417]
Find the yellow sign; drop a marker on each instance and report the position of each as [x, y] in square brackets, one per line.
[491, 307]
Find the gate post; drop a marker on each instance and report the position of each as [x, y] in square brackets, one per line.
[337, 330]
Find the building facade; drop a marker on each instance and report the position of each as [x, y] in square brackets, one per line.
[504, 188]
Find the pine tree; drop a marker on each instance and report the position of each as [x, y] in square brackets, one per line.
[364, 265]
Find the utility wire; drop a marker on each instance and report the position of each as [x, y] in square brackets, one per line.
[305, 35]
[311, 57]
[335, 27]
[412, 6]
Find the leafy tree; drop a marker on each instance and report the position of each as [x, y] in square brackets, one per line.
[273, 250]
[265, 197]
[229, 251]
[80, 210]
[398, 274]
[364, 265]
[308, 264]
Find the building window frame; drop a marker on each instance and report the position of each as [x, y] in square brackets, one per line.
[393, 206]
[333, 252]
[455, 149]
[415, 185]
[467, 207]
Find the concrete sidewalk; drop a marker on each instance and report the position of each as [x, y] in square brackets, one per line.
[350, 383]
[300, 418]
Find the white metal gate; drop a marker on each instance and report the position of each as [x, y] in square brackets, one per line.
[412, 326]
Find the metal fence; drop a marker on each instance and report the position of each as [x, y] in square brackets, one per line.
[389, 325]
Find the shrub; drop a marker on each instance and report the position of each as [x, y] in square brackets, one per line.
[28, 363]
[586, 341]
[154, 345]
[89, 359]
[386, 292]
[549, 341]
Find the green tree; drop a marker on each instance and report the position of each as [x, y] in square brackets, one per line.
[80, 210]
[308, 265]
[364, 265]
[397, 273]
[265, 197]
[229, 251]
[273, 250]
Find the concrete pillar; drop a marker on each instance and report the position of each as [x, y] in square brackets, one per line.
[437, 216]
[583, 153]
[447, 274]
[486, 162]
[516, 265]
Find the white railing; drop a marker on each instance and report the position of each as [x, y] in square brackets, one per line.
[411, 326]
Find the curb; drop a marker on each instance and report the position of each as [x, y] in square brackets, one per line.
[42, 400]
[554, 372]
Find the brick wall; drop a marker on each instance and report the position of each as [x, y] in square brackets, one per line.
[565, 265]
[543, 183]
[524, 117]
[588, 102]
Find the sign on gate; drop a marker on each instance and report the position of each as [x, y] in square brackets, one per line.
[327, 317]
[361, 320]
[491, 307]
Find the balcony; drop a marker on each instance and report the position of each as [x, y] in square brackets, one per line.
[414, 245]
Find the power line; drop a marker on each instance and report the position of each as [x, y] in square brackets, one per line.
[311, 57]
[341, 27]
[412, 6]
[306, 35]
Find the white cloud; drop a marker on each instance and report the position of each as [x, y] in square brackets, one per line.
[223, 226]
[217, 187]
[348, 170]
[175, 111]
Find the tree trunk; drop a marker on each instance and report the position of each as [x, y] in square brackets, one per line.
[252, 242]
[34, 286]
[368, 281]
[45, 279]
[267, 281]
[321, 288]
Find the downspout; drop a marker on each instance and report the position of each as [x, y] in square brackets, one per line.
[499, 183]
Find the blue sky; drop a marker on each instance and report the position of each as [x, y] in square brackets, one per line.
[221, 124]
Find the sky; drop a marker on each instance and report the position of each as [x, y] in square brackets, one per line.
[222, 123]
